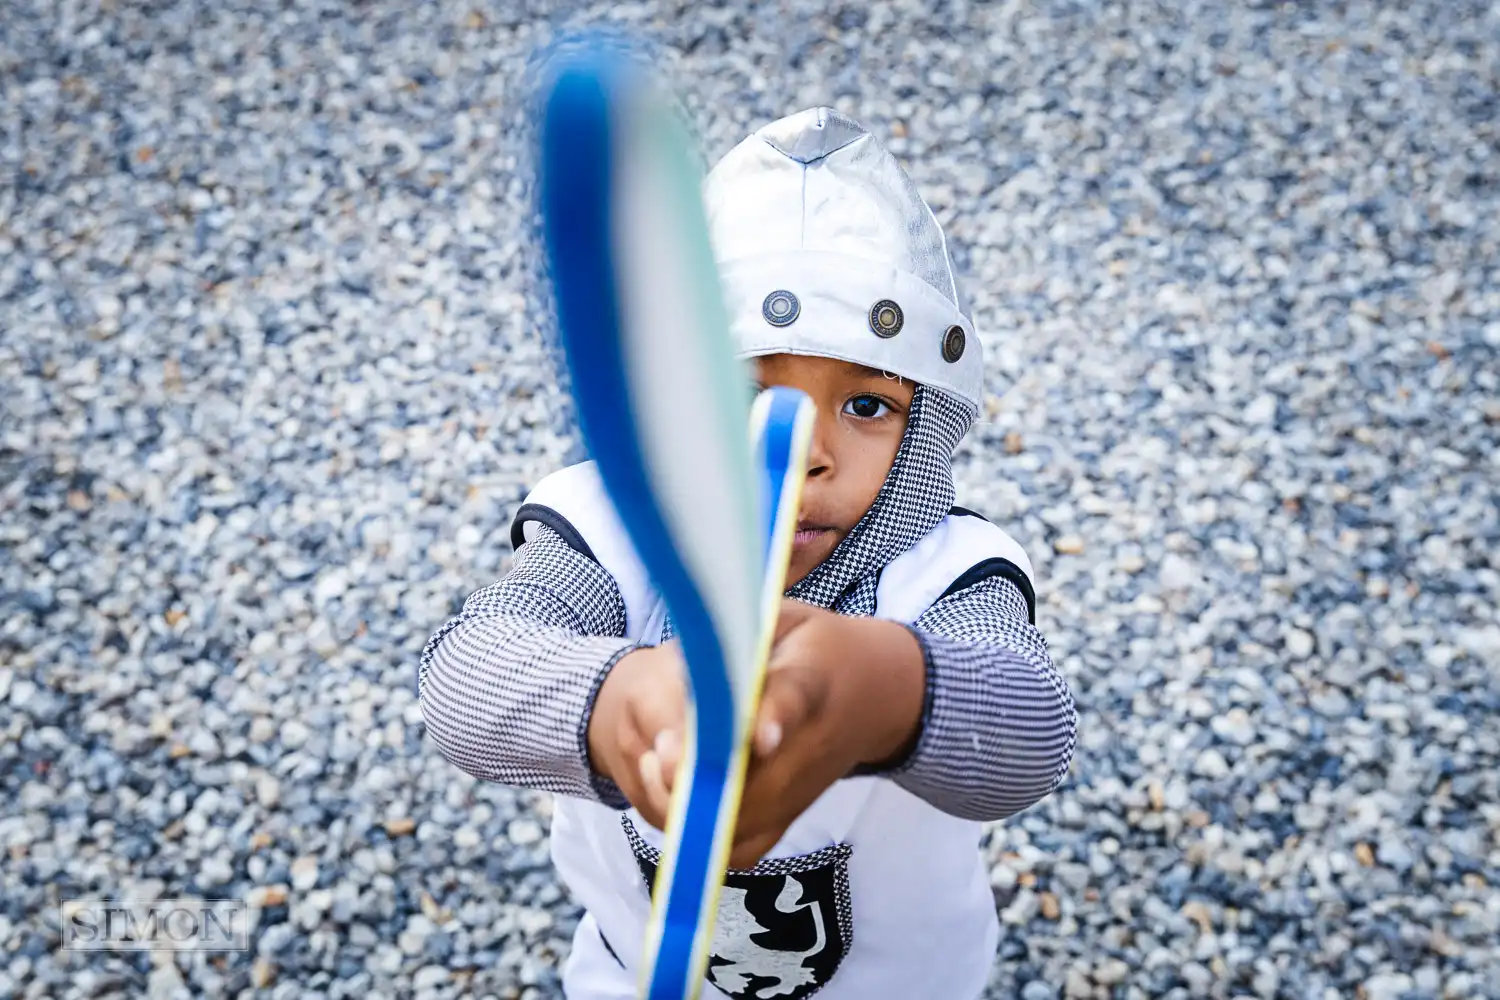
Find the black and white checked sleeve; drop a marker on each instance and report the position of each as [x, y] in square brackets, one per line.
[999, 724]
[507, 685]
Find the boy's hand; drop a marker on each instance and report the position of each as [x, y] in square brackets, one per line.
[840, 691]
[641, 698]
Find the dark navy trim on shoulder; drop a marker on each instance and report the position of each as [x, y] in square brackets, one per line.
[1003, 568]
[542, 514]
[966, 512]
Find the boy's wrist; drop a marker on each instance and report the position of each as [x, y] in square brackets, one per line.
[603, 724]
[639, 697]
[599, 719]
[890, 671]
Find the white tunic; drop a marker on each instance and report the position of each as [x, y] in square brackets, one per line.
[871, 893]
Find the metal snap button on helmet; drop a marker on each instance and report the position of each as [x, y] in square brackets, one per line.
[953, 344]
[886, 318]
[781, 308]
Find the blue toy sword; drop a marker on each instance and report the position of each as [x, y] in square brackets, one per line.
[664, 409]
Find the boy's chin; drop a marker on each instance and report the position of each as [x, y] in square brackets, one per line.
[807, 556]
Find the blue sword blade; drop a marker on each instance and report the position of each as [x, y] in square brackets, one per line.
[701, 556]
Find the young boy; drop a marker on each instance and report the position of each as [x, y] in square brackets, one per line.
[909, 697]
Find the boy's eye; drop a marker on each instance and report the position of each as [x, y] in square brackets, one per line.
[867, 407]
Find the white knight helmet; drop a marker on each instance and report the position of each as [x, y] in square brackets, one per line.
[825, 248]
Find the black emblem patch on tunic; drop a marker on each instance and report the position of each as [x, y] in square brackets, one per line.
[784, 926]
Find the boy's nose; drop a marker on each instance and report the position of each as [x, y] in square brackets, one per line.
[819, 455]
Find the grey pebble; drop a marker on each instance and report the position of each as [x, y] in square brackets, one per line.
[429, 977]
[1211, 765]
[413, 940]
[1235, 727]
[293, 734]
[1388, 986]
[1395, 854]
[267, 791]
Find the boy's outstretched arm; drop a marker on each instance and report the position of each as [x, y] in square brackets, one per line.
[962, 709]
[998, 725]
[507, 686]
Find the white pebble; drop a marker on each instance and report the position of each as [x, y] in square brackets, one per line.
[304, 873]
[524, 831]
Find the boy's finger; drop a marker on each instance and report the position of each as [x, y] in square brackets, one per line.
[668, 749]
[658, 797]
[768, 734]
[784, 706]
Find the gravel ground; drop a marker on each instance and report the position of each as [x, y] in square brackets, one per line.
[273, 387]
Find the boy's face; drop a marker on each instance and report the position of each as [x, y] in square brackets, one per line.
[861, 419]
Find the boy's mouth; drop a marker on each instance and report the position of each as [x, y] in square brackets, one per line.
[810, 534]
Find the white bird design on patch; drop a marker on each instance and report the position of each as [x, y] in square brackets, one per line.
[746, 959]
